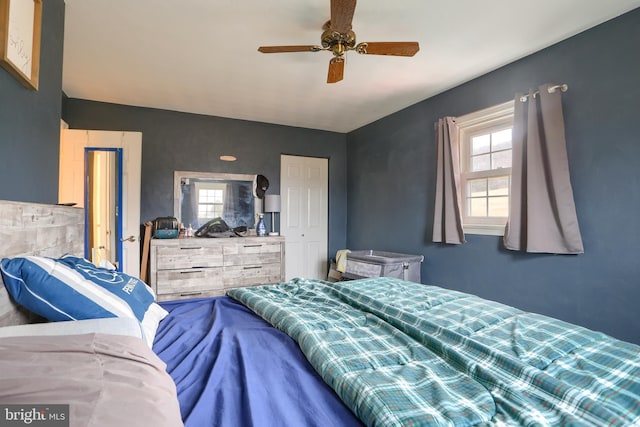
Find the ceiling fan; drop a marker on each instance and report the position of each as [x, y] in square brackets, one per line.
[338, 38]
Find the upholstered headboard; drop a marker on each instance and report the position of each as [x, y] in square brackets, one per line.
[36, 229]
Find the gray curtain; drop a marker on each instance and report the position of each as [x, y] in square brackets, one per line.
[542, 214]
[228, 206]
[447, 218]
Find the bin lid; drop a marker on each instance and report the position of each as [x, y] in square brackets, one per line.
[382, 257]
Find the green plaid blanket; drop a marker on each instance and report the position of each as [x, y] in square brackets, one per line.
[404, 354]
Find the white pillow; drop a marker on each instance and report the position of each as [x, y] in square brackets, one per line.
[113, 325]
[152, 318]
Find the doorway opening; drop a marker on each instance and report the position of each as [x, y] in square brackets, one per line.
[103, 205]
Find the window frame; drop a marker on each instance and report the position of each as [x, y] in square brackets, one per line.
[488, 120]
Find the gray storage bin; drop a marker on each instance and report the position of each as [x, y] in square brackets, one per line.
[370, 263]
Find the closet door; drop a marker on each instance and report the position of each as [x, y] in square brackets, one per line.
[304, 188]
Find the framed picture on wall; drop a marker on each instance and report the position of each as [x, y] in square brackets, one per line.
[20, 28]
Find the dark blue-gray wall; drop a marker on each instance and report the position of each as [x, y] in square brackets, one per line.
[30, 120]
[189, 142]
[391, 185]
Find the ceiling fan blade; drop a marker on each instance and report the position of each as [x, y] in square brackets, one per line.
[282, 49]
[342, 14]
[388, 48]
[336, 70]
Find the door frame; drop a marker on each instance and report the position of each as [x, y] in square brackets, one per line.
[72, 143]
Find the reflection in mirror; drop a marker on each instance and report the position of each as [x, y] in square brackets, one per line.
[201, 196]
[102, 203]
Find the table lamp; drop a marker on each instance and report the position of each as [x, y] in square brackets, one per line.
[272, 205]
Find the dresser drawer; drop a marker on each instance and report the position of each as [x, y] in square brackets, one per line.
[251, 254]
[251, 275]
[189, 280]
[188, 256]
[193, 294]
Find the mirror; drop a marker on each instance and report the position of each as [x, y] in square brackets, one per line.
[201, 196]
[103, 202]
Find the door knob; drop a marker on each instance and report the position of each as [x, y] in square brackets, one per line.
[129, 239]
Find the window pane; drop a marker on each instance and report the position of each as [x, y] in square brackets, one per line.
[206, 196]
[499, 206]
[499, 186]
[501, 159]
[202, 196]
[481, 144]
[205, 211]
[481, 163]
[477, 188]
[501, 140]
[478, 207]
[210, 196]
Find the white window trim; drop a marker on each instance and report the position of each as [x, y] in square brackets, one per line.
[468, 125]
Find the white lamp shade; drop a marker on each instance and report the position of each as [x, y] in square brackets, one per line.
[272, 203]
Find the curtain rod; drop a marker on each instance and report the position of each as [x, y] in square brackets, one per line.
[563, 88]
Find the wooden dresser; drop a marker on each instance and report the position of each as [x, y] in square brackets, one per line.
[204, 267]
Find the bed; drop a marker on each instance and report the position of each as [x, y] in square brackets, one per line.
[379, 352]
[228, 367]
[90, 372]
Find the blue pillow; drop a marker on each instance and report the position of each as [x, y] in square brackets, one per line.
[72, 288]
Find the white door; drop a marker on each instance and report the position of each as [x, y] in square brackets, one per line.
[72, 145]
[304, 192]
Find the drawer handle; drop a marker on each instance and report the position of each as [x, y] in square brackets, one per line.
[253, 267]
[252, 246]
[192, 247]
[191, 272]
[186, 294]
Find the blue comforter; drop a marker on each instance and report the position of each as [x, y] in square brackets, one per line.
[231, 368]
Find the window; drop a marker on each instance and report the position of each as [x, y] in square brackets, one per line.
[485, 169]
[210, 201]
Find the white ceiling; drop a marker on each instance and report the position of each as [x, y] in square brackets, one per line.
[200, 56]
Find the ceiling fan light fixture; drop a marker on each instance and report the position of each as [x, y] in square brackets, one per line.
[339, 38]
